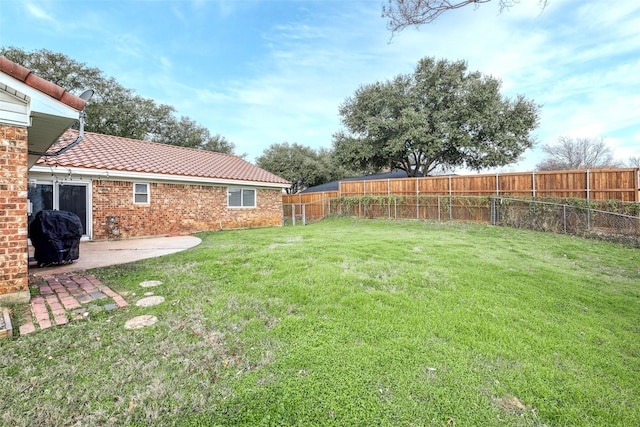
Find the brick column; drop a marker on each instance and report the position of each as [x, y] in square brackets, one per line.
[14, 257]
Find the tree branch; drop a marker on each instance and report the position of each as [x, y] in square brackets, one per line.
[406, 13]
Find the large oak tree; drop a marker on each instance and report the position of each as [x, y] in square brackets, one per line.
[439, 117]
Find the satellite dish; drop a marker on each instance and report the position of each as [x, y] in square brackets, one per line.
[87, 94]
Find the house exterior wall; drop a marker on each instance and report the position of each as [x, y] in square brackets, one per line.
[175, 209]
[14, 258]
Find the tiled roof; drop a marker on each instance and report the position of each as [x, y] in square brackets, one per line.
[112, 153]
[25, 75]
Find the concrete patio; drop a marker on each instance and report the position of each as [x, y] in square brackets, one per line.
[95, 254]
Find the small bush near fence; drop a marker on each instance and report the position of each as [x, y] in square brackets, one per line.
[605, 219]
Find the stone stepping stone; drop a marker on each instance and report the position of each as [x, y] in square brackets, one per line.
[150, 301]
[150, 283]
[140, 322]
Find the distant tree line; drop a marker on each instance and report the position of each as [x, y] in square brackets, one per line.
[303, 166]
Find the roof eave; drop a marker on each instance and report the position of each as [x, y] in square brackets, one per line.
[145, 176]
[49, 110]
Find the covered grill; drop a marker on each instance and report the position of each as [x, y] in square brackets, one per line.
[55, 236]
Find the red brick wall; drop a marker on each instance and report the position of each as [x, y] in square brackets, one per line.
[14, 258]
[176, 209]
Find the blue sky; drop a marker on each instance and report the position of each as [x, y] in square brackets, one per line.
[270, 71]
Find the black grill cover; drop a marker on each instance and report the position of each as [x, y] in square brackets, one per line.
[55, 236]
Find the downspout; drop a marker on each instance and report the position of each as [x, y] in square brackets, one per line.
[86, 95]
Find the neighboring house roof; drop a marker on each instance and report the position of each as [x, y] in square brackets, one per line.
[335, 185]
[27, 77]
[134, 157]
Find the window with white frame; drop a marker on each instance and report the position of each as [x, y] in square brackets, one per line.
[241, 198]
[140, 193]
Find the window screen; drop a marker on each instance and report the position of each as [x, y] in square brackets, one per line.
[242, 198]
[235, 197]
[249, 198]
[140, 193]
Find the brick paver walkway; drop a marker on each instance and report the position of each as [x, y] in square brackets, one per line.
[65, 296]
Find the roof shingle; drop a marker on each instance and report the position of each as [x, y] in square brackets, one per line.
[112, 153]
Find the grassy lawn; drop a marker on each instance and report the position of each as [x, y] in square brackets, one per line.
[345, 323]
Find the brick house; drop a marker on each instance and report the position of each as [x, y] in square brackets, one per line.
[33, 114]
[123, 188]
[119, 187]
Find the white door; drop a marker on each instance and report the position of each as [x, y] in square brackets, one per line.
[65, 196]
[74, 197]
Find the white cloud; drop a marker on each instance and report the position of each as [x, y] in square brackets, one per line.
[312, 67]
[285, 80]
[39, 13]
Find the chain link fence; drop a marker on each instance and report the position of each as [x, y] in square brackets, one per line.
[609, 220]
[584, 220]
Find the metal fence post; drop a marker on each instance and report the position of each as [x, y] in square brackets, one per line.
[389, 197]
[588, 206]
[395, 208]
[304, 215]
[293, 213]
[492, 211]
[533, 184]
[417, 199]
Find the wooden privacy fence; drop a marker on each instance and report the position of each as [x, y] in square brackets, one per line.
[597, 184]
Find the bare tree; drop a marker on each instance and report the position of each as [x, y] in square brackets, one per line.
[634, 162]
[579, 153]
[407, 13]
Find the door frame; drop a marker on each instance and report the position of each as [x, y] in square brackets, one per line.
[56, 199]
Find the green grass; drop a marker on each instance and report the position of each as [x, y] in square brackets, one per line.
[349, 322]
